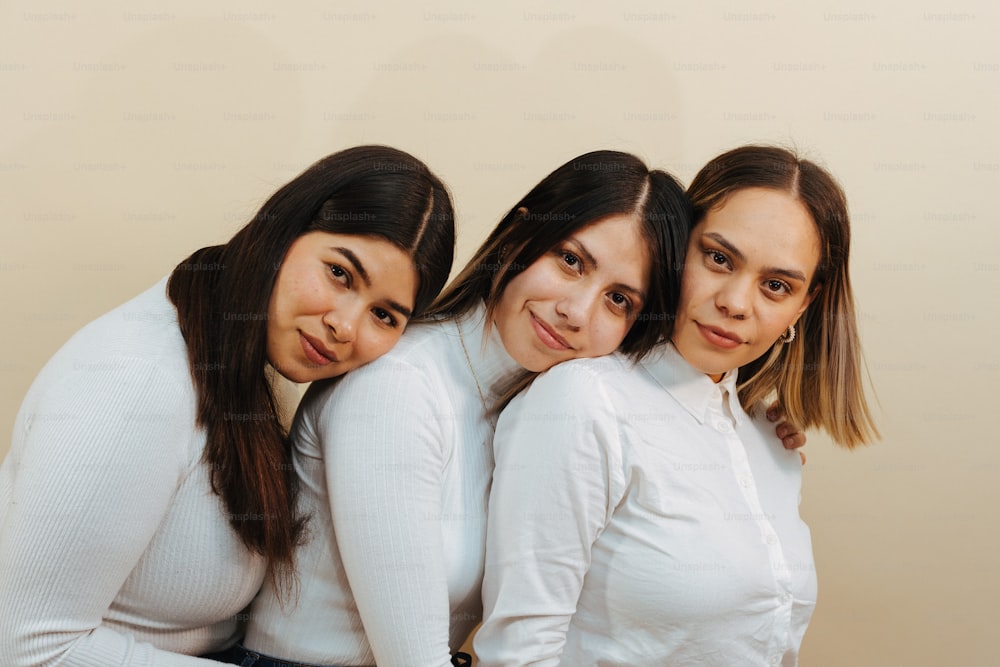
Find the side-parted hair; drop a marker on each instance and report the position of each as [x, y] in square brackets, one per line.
[818, 376]
[366, 191]
[583, 191]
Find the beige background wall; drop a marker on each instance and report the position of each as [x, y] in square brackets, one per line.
[132, 133]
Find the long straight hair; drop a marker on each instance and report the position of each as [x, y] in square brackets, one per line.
[579, 193]
[367, 191]
[818, 376]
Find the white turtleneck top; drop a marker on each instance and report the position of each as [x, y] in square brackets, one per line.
[113, 548]
[395, 462]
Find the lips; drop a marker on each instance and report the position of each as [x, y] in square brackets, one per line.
[315, 351]
[547, 334]
[719, 337]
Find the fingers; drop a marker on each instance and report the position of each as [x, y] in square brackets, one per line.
[791, 438]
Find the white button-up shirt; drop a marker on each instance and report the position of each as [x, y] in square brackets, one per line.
[639, 516]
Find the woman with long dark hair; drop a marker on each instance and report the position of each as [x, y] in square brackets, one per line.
[149, 490]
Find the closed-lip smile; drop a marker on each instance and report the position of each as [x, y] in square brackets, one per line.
[719, 336]
[547, 334]
[315, 351]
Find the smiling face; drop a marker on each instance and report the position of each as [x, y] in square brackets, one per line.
[749, 266]
[577, 300]
[339, 301]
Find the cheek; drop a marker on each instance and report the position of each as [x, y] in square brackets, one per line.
[778, 322]
[509, 299]
[609, 332]
[536, 283]
[377, 342]
[690, 299]
[772, 322]
[521, 289]
[691, 280]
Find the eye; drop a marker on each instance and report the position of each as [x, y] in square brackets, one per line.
[776, 287]
[340, 274]
[716, 258]
[385, 317]
[571, 261]
[620, 302]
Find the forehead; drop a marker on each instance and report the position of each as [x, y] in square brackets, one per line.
[768, 226]
[386, 263]
[615, 241]
[620, 230]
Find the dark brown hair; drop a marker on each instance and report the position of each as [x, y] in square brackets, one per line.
[367, 191]
[818, 376]
[584, 191]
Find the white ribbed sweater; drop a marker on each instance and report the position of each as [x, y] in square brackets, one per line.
[396, 462]
[113, 548]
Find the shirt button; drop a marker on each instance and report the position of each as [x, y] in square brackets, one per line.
[775, 661]
[745, 482]
[723, 427]
[771, 539]
[786, 598]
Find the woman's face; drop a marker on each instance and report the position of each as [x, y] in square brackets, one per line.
[579, 299]
[339, 301]
[746, 278]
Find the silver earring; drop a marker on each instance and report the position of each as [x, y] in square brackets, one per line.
[788, 336]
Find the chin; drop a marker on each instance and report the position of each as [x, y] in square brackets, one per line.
[536, 364]
[297, 376]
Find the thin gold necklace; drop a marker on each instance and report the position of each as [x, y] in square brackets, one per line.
[468, 360]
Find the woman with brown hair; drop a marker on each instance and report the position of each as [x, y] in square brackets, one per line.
[149, 491]
[643, 513]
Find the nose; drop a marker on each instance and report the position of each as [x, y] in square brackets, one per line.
[342, 320]
[575, 308]
[733, 299]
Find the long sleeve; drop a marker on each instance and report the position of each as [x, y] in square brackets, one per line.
[640, 517]
[395, 462]
[381, 439]
[557, 477]
[92, 481]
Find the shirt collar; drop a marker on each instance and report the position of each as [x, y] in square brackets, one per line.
[490, 363]
[694, 390]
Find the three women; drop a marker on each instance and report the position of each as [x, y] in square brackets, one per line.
[394, 460]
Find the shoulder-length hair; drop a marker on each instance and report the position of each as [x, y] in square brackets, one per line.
[818, 376]
[584, 191]
[367, 190]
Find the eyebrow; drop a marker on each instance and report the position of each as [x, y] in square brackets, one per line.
[590, 259]
[724, 242]
[582, 249]
[360, 268]
[356, 263]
